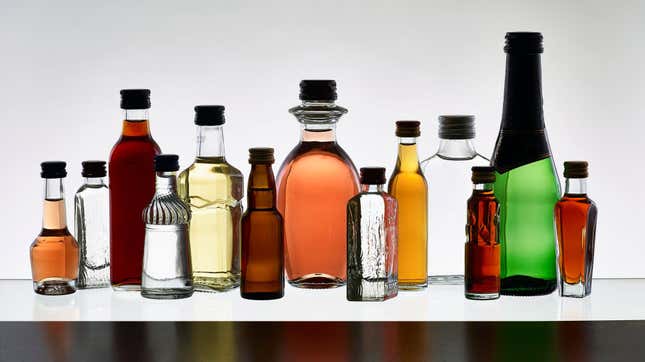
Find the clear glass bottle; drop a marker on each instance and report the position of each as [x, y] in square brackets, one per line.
[372, 240]
[166, 258]
[408, 186]
[92, 225]
[575, 218]
[213, 189]
[315, 182]
[54, 253]
[448, 173]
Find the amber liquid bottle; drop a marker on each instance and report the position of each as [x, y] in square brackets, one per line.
[132, 185]
[409, 187]
[314, 184]
[482, 257]
[262, 230]
[54, 253]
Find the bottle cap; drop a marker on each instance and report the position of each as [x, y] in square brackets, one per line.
[135, 98]
[373, 175]
[408, 128]
[166, 163]
[483, 175]
[576, 169]
[523, 43]
[261, 155]
[53, 169]
[456, 127]
[93, 169]
[318, 90]
[209, 115]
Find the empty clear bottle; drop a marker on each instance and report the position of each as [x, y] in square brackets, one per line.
[92, 225]
[372, 261]
[166, 256]
[448, 174]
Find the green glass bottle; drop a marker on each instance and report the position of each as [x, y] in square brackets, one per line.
[527, 185]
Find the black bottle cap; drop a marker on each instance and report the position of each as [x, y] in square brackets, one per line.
[93, 169]
[524, 43]
[576, 169]
[209, 115]
[261, 155]
[373, 175]
[408, 128]
[483, 175]
[456, 127]
[53, 169]
[166, 163]
[135, 98]
[318, 90]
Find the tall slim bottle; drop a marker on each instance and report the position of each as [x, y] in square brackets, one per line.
[314, 184]
[408, 185]
[526, 185]
[213, 188]
[132, 185]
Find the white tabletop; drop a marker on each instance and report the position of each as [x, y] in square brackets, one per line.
[612, 299]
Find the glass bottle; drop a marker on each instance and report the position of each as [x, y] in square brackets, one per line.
[132, 184]
[315, 182]
[262, 230]
[372, 240]
[54, 253]
[166, 258]
[481, 275]
[213, 189]
[575, 219]
[447, 173]
[408, 186]
[92, 223]
[526, 186]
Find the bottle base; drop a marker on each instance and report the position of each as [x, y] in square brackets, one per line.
[446, 279]
[126, 287]
[215, 282]
[521, 285]
[413, 286]
[482, 296]
[166, 293]
[317, 281]
[577, 290]
[262, 295]
[80, 285]
[55, 286]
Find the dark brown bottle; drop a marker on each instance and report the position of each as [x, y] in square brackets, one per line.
[262, 232]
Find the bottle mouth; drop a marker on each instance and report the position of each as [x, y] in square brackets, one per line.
[456, 127]
[524, 43]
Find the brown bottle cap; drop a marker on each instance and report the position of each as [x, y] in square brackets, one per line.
[483, 175]
[576, 169]
[261, 155]
[372, 175]
[408, 128]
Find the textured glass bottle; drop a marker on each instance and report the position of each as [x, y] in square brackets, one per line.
[408, 186]
[166, 258]
[526, 186]
[54, 253]
[132, 184]
[314, 184]
[92, 223]
[213, 188]
[448, 174]
[262, 230]
[481, 275]
[372, 240]
[575, 219]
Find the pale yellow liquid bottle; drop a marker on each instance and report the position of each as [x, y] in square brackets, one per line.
[408, 185]
[213, 189]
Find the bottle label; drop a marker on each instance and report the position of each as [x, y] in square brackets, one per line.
[516, 148]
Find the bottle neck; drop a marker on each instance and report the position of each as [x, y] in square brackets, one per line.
[523, 93]
[576, 186]
[313, 132]
[166, 183]
[261, 189]
[54, 216]
[318, 120]
[95, 181]
[135, 123]
[483, 187]
[210, 141]
[456, 149]
[408, 158]
[371, 188]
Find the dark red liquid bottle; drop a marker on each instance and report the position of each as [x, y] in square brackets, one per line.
[132, 185]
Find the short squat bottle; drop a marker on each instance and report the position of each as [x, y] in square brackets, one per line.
[262, 244]
[575, 219]
[372, 240]
[166, 258]
[54, 253]
[92, 226]
[482, 259]
[448, 172]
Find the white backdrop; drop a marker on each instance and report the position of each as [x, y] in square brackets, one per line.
[63, 63]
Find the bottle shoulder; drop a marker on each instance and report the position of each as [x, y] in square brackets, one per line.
[166, 209]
